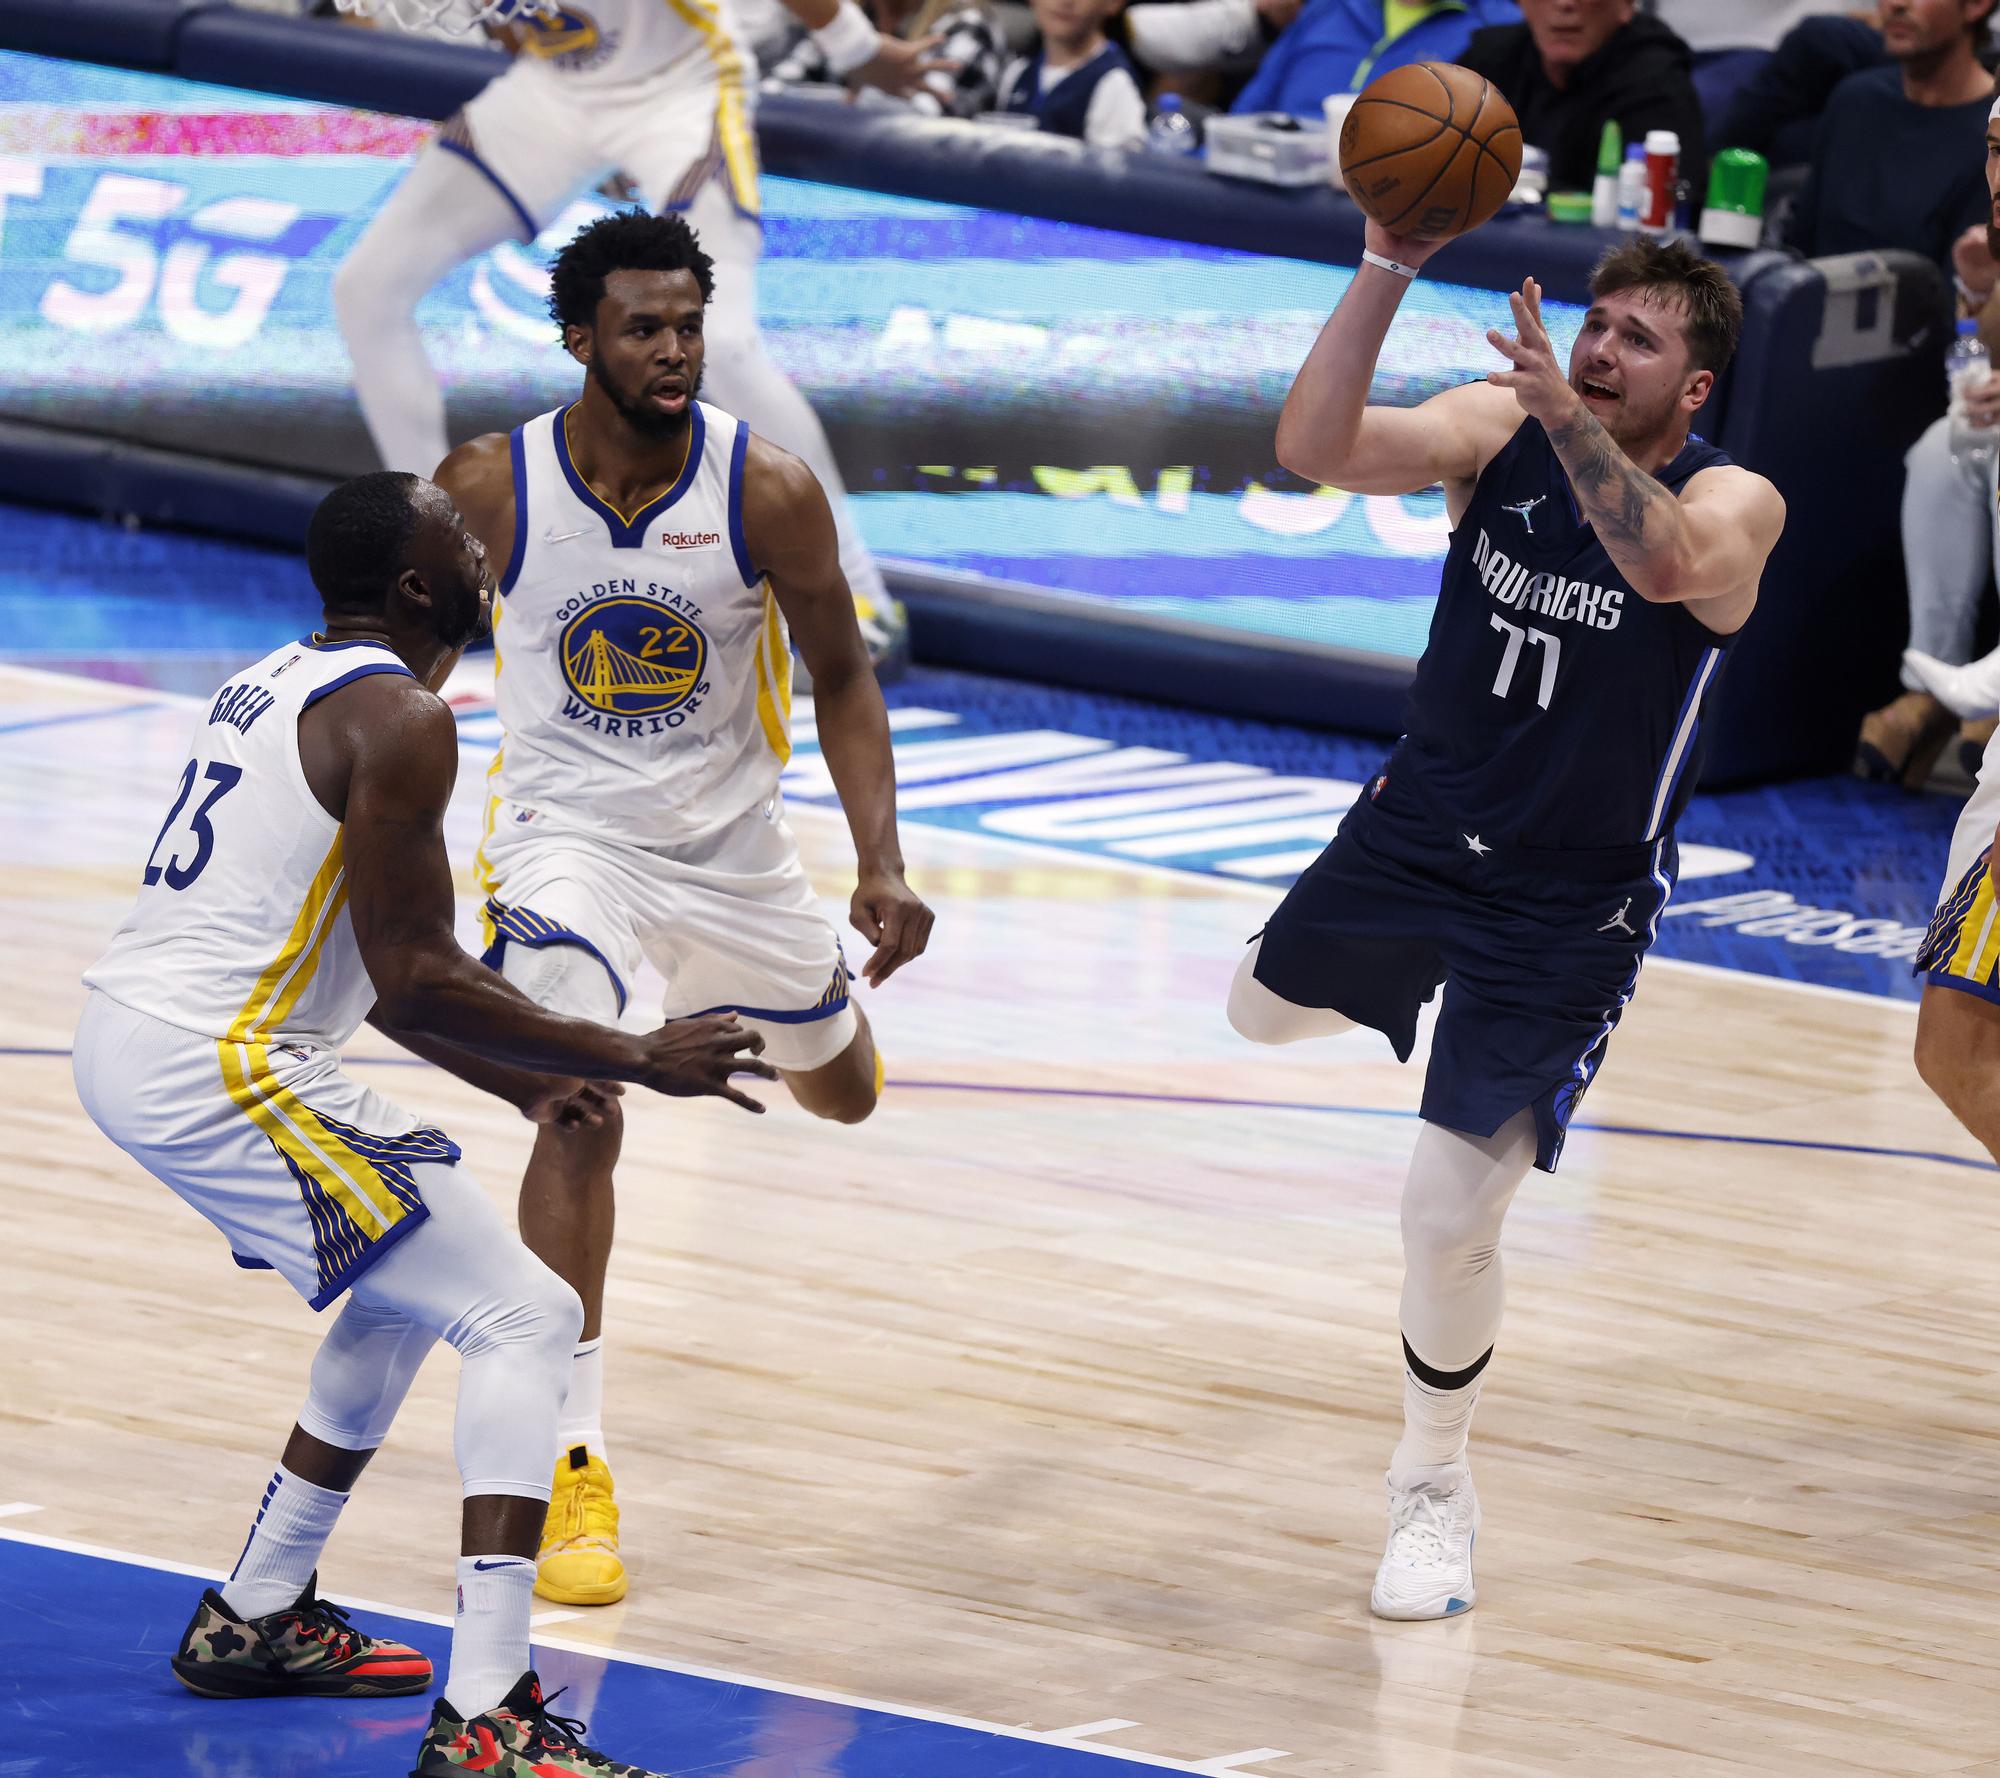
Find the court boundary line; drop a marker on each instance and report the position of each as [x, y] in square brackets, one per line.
[1242, 889]
[1223, 1102]
[655, 1663]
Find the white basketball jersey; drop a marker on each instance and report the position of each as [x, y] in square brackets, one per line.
[610, 42]
[642, 667]
[241, 931]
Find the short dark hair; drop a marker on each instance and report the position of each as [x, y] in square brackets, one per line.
[624, 241]
[1709, 304]
[359, 539]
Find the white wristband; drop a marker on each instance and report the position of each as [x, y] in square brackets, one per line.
[1389, 265]
[847, 40]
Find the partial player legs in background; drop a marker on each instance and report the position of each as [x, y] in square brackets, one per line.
[1958, 1055]
[443, 214]
[1454, 1202]
[741, 377]
[568, 1216]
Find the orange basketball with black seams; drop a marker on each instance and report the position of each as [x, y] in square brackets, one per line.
[1430, 150]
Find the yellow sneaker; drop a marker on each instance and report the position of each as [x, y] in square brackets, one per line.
[579, 1562]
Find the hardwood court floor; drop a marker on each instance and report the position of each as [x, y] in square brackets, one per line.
[1060, 1392]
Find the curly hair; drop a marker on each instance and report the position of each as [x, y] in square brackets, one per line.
[624, 241]
[359, 539]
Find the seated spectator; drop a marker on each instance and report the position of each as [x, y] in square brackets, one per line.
[1899, 156]
[1576, 65]
[1777, 109]
[965, 34]
[1733, 43]
[1078, 82]
[1950, 521]
[1339, 46]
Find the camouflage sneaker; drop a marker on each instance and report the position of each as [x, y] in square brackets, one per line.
[309, 1649]
[517, 1738]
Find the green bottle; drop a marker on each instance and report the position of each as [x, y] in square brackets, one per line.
[1604, 188]
[1734, 213]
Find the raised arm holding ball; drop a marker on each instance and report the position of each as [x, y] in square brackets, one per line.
[1518, 843]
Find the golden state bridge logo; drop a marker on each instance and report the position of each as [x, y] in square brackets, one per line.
[633, 657]
[567, 35]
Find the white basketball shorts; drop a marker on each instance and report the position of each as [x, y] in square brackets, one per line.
[682, 136]
[302, 1169]
[730, 922]
[1962, 948]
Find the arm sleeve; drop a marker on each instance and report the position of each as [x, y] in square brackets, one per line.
[1117, 114]
[1186, 36]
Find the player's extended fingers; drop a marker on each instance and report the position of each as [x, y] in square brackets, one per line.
[1505, 342]
[742, 1099]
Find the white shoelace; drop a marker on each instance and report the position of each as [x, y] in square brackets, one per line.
[1417, 1531]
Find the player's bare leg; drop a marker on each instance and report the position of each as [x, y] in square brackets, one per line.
[1958, 1055]
[845, 1090]
[568, 1218]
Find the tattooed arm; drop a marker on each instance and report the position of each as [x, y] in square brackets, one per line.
[1707, 545]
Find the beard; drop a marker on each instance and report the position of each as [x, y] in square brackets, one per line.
[640, 414]
[467, 619]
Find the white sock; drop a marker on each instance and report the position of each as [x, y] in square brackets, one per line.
[1436, 1425]
[489, 1640]
[284, 1546]
[582, 1420]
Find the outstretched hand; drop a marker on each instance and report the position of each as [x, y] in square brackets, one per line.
[695, 1058]
[1538, 380]
[571, 1104]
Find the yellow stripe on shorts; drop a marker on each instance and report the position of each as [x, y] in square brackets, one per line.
[732, 111]
[1974, 955]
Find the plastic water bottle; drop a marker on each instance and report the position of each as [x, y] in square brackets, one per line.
[1632, 185]
[1967, 366]
[1172, 130]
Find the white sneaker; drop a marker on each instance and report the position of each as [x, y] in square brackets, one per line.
[1426, 1570]
[1970, 692]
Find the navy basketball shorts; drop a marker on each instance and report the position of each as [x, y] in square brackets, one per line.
[1537, 953]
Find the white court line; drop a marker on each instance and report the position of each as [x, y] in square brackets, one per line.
[552, 1617]
[1228, 1762]
[1092, 1728]
[608, 1651]
[15, 1509]
[1264, 892]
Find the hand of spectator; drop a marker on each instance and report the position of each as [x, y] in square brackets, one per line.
[900, 68]
[1277, 14]
[1972, 259]
[1981, 406]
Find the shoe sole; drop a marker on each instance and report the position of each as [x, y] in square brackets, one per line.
[1453, 1607]
[260, 1686]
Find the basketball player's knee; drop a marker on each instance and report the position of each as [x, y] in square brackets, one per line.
[851, 1103]
[1446, 1231]
[1955, 1053]
[536, 1319]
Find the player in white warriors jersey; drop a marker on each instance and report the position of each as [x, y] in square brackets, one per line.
[662, 92]
[298, 885]
[658, 555]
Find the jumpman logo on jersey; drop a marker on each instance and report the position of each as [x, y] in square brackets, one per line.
[1524, 510]
[1617, 921]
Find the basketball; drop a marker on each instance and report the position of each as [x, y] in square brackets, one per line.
[1430, 150]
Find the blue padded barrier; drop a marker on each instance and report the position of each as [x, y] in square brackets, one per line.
[120, 33]
[1842, 367]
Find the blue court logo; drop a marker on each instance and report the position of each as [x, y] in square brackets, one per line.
[632, 657]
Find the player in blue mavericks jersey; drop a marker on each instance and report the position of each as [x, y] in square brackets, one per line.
[1517, 847]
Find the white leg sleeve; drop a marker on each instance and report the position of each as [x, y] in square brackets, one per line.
[1266, 1017]
[1454, 1202]
[466, 1277]
[445, 212]
[742, 378]
[362, 1371]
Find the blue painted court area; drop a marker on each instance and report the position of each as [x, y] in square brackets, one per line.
[86, 1690]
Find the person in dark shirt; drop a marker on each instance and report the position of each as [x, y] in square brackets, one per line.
[1899, 158]
[1573, 65]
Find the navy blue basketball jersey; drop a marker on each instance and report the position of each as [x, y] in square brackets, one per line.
[1554, 707]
